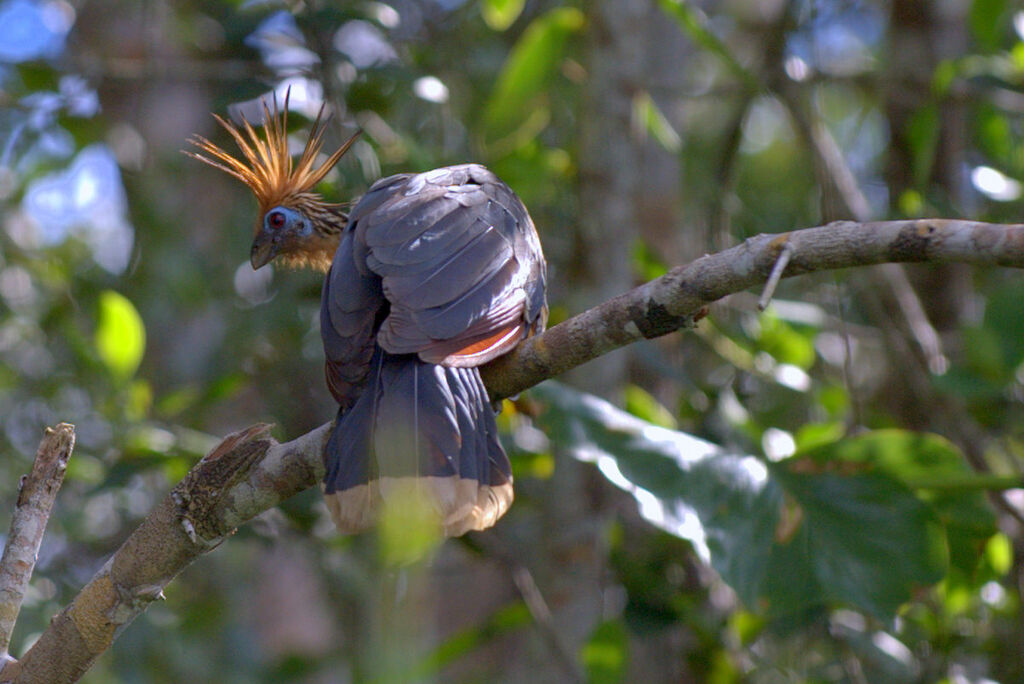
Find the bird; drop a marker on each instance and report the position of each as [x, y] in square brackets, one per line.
[427, 277]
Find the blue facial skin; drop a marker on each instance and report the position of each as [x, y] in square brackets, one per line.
[282, 221]
[280, 225]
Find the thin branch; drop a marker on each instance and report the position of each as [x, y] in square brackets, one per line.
[541, 613]
[535, 602]
[249, 472]
[36, 494]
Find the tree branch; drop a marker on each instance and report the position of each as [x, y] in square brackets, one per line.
[667, 303]
[246, 474]
[249, 472]
[37, 492]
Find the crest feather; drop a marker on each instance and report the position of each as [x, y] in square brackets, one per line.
[266, 167]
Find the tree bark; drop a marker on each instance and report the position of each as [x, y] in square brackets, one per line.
[37, 492]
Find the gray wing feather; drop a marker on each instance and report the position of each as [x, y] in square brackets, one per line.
[349, 306]
[457, 255]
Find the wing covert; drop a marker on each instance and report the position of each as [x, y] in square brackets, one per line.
[459, 261]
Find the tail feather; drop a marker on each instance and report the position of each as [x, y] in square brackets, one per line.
[424, 425]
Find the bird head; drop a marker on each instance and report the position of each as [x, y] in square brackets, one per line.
[295, 225]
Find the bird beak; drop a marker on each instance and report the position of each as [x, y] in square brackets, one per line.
[263, 251]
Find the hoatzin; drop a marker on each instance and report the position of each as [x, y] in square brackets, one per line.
[429, 276]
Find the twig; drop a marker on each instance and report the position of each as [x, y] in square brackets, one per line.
[776, 275]
[922, 330]
[541, 613]
[535, 602]
[37, 492]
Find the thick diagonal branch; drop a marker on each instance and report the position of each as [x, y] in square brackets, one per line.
[249, 472]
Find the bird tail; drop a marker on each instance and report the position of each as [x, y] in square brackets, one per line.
[418, 428]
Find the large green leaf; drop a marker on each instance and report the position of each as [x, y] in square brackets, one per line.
[862, 539]
[850, 522]
[934, 468]
[987, 24]
[529, 68]
[120, 335]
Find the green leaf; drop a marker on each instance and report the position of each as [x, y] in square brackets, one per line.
[503, 621]
[641, 404]
[138, 401]
[834, 400]
[784, 342]
[999, 553]
[120, 335]
[812, 435]
[500, 14]
[694, 24]
[529, 69]
[937, 471]
[986, 20]
[945, 74]
[862, 539]
[1017, 56]
[923, 137]
[995, 135]
[649, 118]
[911, 203]
[647, 263]
[86, 469]
[606, 654]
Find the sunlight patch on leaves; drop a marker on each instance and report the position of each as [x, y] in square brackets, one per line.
[850, 522]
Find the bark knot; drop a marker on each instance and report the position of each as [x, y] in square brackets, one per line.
[213, 477]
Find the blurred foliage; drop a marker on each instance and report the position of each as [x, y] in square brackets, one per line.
[791, 512]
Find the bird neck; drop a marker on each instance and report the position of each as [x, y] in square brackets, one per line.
[317, 253]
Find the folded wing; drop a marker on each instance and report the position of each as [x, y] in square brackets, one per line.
[459, 262]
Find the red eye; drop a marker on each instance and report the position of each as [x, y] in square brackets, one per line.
[276, 220]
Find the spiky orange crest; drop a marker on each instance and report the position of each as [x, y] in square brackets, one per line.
[267, 166]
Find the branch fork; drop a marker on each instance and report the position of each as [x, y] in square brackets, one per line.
[785, 252]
